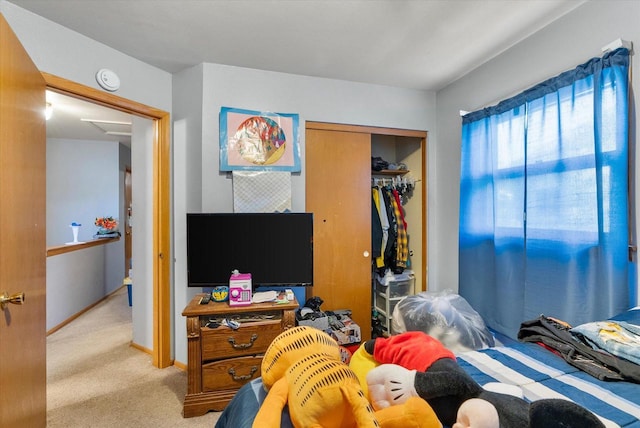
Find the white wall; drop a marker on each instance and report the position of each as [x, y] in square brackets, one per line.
[142, 231]
[566, 43]
[75, 281]
[66, 53]
[82, 184]
[312, 98]
[187, 184]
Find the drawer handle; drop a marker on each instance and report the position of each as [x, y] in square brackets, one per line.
[232, 372]
[232, 341]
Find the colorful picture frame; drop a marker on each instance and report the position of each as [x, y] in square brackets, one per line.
[258, 141]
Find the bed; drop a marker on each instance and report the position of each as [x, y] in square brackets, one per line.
[537, 371]
[543, 374]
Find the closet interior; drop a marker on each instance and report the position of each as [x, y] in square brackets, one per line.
[397, 224]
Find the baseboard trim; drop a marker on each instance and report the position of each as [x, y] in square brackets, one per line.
[150, 352]
[88, 308]
[141, 348]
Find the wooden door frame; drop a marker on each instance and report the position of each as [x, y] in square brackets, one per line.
[161, 351]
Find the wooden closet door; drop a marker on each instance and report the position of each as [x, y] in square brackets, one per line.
[338, 193]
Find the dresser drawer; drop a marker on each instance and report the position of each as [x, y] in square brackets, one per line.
[231, 373]
[249, 339]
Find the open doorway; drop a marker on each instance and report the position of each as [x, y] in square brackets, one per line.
[88, 163]
[159, 253]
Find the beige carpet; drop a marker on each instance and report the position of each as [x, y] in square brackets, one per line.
[96, 379]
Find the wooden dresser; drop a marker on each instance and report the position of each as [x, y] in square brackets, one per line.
[222, 359]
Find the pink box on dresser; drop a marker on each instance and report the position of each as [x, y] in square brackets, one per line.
[240, 289]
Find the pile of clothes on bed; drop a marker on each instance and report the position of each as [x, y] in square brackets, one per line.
[607, 350]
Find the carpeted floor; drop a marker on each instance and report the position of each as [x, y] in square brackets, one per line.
[96, 379]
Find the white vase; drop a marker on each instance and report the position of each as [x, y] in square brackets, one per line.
[75, 230]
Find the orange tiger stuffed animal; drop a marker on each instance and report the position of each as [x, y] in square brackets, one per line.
[302, 368]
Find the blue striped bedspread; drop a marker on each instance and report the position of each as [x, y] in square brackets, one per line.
[542, 374]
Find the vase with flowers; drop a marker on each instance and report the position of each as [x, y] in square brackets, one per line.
[107, 227]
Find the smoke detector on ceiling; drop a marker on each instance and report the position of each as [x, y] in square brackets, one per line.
[108, 80]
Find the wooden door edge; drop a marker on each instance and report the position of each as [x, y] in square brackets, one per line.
[424, 145]
[327, 126]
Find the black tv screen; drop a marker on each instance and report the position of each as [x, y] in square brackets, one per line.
[275, 248]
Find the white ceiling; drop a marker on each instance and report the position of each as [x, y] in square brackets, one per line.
[417, 44]
[77, 119]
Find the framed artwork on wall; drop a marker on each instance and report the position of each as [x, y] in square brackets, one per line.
[258, 141]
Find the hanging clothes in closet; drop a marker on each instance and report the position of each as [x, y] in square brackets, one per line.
[390, 242]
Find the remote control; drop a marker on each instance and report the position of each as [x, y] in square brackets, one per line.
[205, 299]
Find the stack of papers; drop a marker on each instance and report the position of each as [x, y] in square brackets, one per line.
[264, 296]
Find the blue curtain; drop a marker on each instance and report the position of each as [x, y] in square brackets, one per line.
[544, 200]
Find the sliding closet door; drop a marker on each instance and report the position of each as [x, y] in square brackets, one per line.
[338, 192]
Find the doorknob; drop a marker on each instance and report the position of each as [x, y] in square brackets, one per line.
[16, 299]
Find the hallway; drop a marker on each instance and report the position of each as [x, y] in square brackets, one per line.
[96, 379]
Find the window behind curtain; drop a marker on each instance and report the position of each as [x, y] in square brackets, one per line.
[544, 203]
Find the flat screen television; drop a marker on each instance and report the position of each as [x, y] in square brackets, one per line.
[275, 248]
